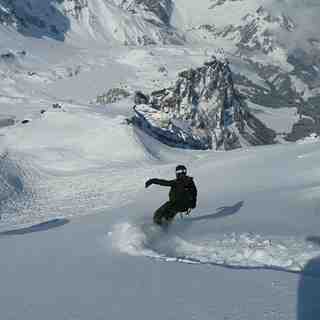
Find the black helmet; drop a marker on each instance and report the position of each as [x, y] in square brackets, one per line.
[181, 169]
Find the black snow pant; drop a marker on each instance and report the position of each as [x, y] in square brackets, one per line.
[167, 211]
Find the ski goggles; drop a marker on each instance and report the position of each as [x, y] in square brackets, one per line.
[181, 171]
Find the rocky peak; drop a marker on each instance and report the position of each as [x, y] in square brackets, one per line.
[202, 110]
[256, 31]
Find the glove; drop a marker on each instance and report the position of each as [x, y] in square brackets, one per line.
[149, 183]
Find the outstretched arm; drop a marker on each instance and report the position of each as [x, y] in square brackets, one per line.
[160, 182]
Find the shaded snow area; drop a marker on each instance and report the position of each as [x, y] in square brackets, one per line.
[280, 120]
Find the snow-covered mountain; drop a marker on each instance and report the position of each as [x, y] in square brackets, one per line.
[157, 11]
[77, 240]
[276, 42]
[203, 110]
[99, 20]
[274, 56]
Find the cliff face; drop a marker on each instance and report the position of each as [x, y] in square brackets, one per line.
[202, 110]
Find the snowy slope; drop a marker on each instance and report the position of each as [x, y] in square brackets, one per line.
[257, 209]
[77, 239]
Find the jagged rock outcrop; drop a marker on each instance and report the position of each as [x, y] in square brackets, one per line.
[112, 95]
[302, 129]
[141, 98]
[255, 37]
[255, 32]
[156, 11]
[202, 110]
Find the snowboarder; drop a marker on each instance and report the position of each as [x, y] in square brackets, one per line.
[182, 195]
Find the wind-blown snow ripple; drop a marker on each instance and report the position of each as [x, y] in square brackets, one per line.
[239, 251]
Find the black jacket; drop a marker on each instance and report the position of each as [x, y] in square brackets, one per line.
[182, 194]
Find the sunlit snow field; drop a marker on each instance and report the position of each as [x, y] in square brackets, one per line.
[76, 234]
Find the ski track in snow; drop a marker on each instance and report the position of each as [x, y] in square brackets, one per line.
[237, 251]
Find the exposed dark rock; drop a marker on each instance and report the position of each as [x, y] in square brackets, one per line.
[302, 129]
[141, 98]
[8, 56]
[113, 95]
[161, 9]
[163, 69]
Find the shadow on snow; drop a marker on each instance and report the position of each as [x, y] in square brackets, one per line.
[44, 226]
[308, 304]
[221, 213]
[40, 18]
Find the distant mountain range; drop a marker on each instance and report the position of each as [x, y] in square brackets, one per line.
[274, 53]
